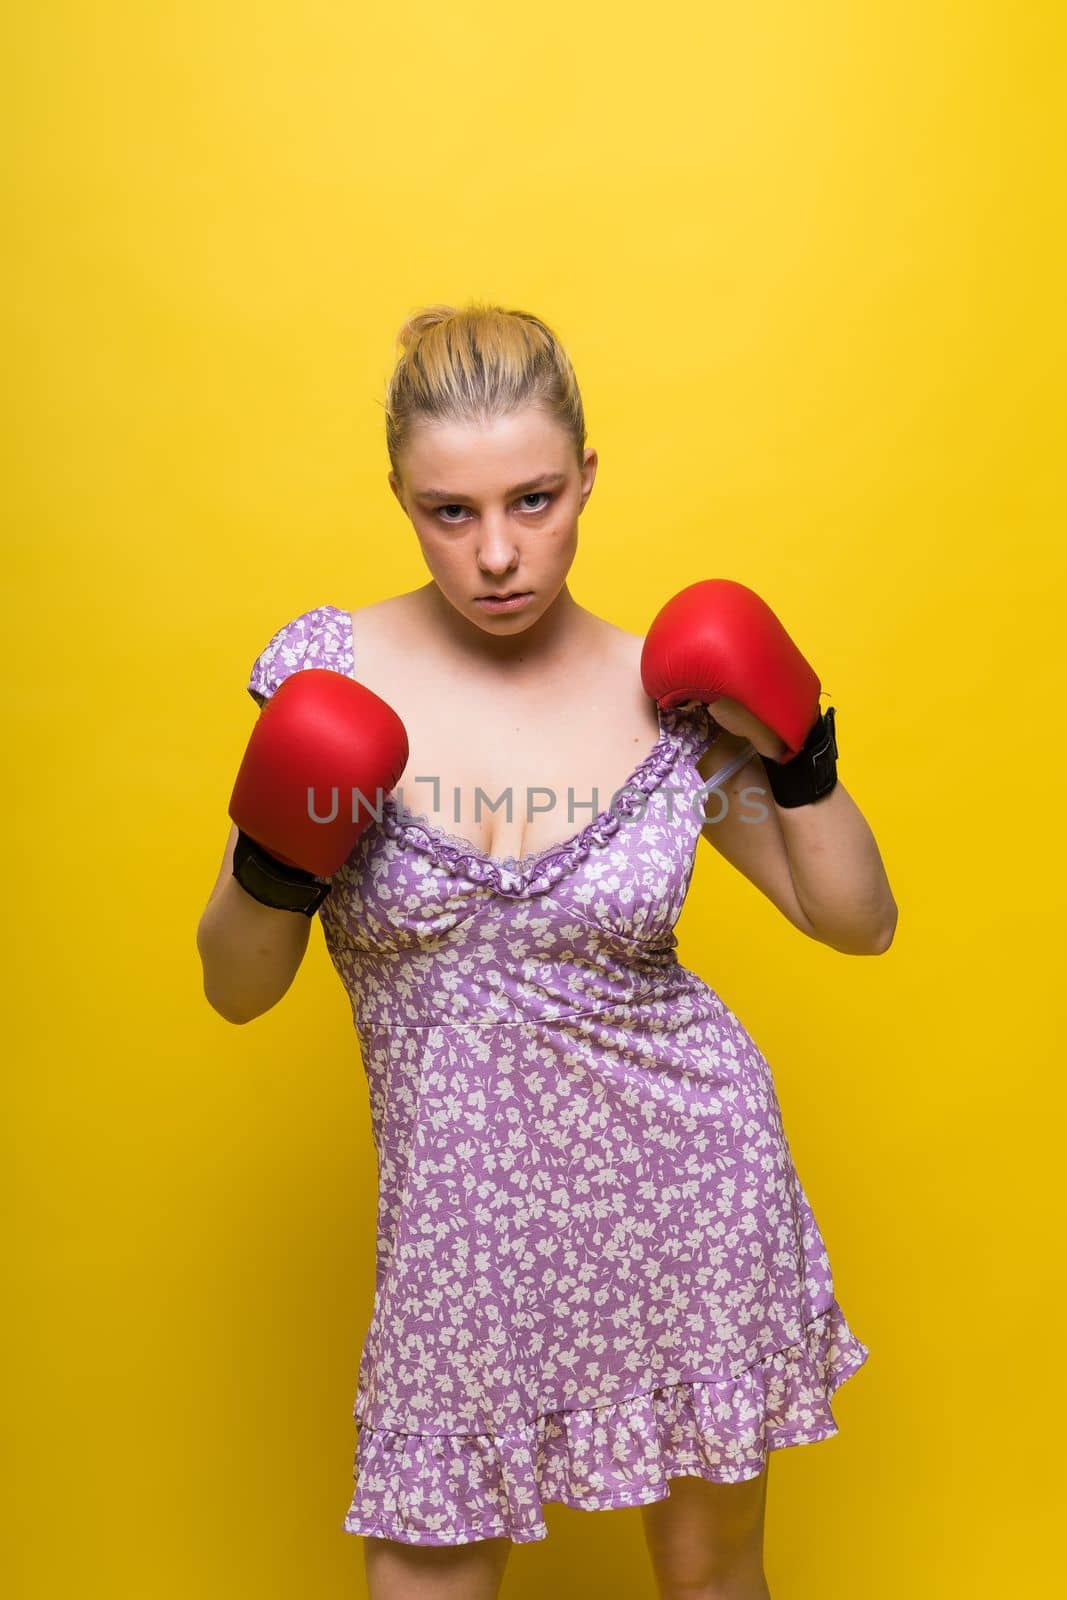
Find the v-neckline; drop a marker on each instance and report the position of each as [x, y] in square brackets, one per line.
[405, 820]
[456, 848]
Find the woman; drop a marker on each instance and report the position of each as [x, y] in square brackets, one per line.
[599, 1280]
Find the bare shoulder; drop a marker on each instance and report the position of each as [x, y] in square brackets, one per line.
[723, 747]
[389, 608]
[620, 653]
[388, 618]
[634, 640]
[624, 647]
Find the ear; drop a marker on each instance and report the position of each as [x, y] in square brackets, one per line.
[589, 467]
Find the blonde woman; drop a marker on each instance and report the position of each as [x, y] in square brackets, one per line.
[599, 1280]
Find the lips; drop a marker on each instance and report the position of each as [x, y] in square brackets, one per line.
[500, 604]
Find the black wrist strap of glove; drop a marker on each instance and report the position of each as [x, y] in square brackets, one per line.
[812, 772]
[272, 883]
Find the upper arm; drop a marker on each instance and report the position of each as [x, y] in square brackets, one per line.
[321, 637]
[743, 825]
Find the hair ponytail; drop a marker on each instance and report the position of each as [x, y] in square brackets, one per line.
[475, 363]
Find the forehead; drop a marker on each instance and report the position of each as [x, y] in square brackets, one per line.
[489, 454]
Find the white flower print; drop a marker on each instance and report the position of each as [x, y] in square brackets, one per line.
[597, 1268]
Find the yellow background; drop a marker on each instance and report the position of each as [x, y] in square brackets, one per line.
[807, 261]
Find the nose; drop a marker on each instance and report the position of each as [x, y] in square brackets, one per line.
[496, 552]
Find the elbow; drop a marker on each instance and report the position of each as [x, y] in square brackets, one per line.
[889, 928]
[868, 943]
[222, 1005]
[238, 1022]
[883, 938]
[228, 1013]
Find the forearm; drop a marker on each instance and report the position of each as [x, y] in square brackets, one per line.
[838, 874]
[250, 952]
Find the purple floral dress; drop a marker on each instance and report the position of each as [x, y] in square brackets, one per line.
[597, 1268]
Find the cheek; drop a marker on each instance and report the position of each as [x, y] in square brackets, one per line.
[450, 568]
[566, 540]
[440, 554]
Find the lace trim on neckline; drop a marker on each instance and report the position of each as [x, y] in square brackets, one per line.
[517, 875]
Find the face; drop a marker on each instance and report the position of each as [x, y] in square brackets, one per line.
[496, 510]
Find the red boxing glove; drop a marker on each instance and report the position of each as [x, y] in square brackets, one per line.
[719, 638]
[324, 732]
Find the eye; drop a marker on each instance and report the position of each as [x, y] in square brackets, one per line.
[535, 494]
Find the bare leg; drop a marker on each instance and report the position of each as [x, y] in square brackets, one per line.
[397, 1571]
[705, 1541]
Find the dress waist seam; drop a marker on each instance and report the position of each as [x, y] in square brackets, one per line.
[619, 1007]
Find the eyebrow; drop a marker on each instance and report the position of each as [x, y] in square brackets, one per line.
[544, 481]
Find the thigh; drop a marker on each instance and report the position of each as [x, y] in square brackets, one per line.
[397, 1571]
[703, 1530]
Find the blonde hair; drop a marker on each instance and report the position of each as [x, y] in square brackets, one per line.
[475, 363]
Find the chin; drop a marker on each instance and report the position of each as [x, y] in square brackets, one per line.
[503, 621]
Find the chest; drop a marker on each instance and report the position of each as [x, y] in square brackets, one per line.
[515, 775]
[517, 772]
